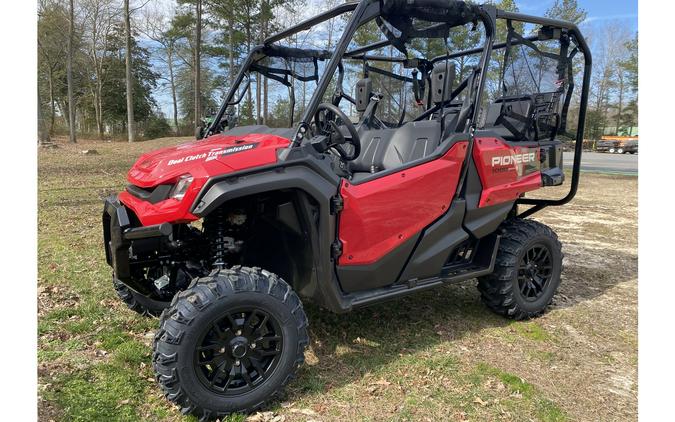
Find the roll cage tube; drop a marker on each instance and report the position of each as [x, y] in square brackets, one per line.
[367, 10]
[371, 9]
[364, 11]
[230, 95]
[573, 30]
[251, 57]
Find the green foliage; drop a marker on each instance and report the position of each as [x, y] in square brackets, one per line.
[567, 10]
[114, 90]
[185, 90]
[630, 64]
[156, 126]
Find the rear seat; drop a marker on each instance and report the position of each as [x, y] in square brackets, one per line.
[524, 114]
[521, 107]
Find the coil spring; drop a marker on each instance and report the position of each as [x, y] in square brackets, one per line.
[219, 242]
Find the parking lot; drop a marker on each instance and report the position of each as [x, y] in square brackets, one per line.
[598, 162]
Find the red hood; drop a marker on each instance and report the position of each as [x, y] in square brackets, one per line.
[219, 154]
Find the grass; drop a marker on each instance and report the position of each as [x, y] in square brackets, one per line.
[439, 355]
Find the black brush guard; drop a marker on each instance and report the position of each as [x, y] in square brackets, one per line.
[119, 232]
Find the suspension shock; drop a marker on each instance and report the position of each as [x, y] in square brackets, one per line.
[218, 227]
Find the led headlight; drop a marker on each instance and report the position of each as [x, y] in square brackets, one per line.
[181, 186]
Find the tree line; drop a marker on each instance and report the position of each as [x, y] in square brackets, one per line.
[104, 66]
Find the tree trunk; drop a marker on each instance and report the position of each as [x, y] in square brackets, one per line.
[172, 81]
[129, 80]
[197, 60]
[258, 89]
[99, 117]
[52, 106]
[230, 40]
[43, 133]
[69, 75]
[263, 35]
[618, 114]
[98, 104]
[265, 101]
[249, 95]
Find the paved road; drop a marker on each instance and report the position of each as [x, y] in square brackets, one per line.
[605, 163]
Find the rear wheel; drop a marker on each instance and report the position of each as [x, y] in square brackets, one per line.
[620, 151]
[611, 150]
[527, 270]
[230, 342]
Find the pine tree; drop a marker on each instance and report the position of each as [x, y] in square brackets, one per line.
[567, 10]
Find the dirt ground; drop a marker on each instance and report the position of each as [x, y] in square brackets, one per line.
[439, 355]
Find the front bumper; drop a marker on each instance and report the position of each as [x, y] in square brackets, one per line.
[120, 231]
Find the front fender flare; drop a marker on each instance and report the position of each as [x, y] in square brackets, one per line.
[295, 177]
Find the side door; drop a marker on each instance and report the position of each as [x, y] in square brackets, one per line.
[383, 217]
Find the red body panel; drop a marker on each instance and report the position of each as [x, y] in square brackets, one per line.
[214, 156]
[382, 214]
[505, 172]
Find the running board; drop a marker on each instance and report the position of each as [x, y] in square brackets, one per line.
[483, 264]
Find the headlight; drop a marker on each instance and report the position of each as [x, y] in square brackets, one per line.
[181, 186]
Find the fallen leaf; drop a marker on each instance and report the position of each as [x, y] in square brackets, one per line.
[306, 412]
[480, 401]
[264, 417]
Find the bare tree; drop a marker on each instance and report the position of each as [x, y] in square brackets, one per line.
[100, 18]
[69, 73]
[156, 26]
[129, 78]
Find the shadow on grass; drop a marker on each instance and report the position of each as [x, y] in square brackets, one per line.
[380, 339]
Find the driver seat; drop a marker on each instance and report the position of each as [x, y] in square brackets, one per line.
[389, 148]
[373, 144]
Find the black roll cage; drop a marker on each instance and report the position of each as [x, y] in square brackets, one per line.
[367, 10]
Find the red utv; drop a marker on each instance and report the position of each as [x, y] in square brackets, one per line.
[414, 179]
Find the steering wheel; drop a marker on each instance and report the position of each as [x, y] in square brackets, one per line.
[326, 118]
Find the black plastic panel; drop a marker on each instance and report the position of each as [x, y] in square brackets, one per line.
[438, 241]
[382, 273]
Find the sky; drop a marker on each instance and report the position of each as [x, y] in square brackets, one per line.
[598, 10]
[624, 12]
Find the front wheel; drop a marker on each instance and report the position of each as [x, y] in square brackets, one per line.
[138, 303]
[230, 342]
[527, 270]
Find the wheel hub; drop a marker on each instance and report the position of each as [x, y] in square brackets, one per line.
[534, 273]
[239, 347]
[238, 351]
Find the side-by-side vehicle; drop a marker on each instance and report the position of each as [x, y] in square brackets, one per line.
[404, 155]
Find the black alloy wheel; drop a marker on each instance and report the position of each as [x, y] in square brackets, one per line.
[534, 272]
[239, 351]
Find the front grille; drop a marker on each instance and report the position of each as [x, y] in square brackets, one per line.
[152, 195]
